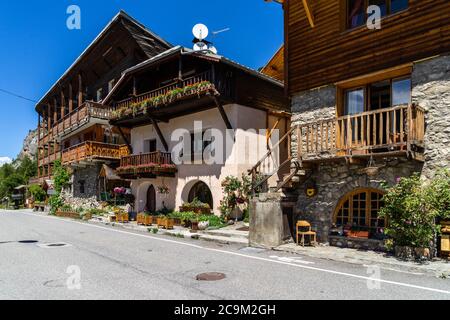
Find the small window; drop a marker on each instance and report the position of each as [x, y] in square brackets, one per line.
[401, 92]
[354, 101]
[357, 10]
[99, 95]
[356, 13]
[150, 146]
[82, 186]
[398, 5]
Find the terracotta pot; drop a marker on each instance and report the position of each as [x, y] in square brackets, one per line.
[194, 226]
[148, 220]
[237, 213]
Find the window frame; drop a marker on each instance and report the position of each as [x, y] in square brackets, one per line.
[346, 24]
[349, 197]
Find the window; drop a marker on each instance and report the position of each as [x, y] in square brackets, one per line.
[401, 92]
[82, 186]
[377, 95]
[150, 146]
[357, 10]
[359, 209]
[99, 95]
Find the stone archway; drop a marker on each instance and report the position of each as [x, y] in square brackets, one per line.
[202, 192]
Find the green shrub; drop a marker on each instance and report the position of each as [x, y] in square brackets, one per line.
[37, 192]
[411, 222]
[55, 203]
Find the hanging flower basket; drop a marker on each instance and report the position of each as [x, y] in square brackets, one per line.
[164, 190]
[371, 171]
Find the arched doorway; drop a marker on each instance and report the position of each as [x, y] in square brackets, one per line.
[151, 199]
[359, 209]
[201, 192]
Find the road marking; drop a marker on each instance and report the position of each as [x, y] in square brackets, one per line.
[350, 275]
[293, 260]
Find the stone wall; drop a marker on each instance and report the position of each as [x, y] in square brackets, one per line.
[311, 106]
[89, 176]
[334, 181]
[431, 91]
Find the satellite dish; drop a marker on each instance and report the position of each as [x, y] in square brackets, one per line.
[200, 31]
[199, 46]
[213, 49]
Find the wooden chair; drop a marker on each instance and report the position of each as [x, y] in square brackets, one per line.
[304, 229]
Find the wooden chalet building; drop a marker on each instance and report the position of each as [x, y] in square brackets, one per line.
[369, 105]
[177, 90]
[73, 123]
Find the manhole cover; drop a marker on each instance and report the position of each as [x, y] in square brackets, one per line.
[54, 245]
[28, 241]
[211, 276]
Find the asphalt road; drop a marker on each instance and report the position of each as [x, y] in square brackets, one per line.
[100, 262]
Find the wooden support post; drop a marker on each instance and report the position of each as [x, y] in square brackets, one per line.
[127, 142]
[134, 87]
[223, 114]
[180, 69]
[80, 91]
[49, 118]
[160, 135]
[63, 104]
[70, 98]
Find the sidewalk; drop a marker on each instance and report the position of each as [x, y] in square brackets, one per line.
[438, 267]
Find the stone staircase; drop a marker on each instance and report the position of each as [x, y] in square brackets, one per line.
[228, 235]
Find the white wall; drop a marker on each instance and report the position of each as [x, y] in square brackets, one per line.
[242, 118]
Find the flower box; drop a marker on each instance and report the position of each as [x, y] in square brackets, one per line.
[148, 220]
[358, 234]
[122, 217]
[197, 210]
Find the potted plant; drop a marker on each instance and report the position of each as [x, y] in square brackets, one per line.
[194, 225]
[148, 219]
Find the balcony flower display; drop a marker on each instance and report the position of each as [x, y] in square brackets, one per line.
[170, 96]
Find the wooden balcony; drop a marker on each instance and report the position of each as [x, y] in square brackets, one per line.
[147, 165]
[93, 151]
[81, 116]
[176, 99]
[385, 132]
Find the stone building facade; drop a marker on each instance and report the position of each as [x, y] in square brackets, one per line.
[430, 90]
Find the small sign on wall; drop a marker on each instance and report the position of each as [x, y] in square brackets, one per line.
[311, 189]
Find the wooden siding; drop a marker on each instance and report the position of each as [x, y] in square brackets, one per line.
[329, 53]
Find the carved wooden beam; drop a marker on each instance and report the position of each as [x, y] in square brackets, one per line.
[160, 135]
[130, 148]
[309, 12]
[223, 114]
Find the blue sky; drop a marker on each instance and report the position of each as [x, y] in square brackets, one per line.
[37, 47]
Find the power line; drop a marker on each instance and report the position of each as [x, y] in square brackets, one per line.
[17, 95]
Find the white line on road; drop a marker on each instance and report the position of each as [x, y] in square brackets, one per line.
[247, 256]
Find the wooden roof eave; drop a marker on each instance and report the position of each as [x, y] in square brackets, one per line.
[89, 48]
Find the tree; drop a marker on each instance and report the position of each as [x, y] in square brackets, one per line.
[61, 176]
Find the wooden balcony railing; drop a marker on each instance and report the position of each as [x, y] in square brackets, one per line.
[384, 130]
[93, 150]
[80, 117]
[127, 103]
[151, 163]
